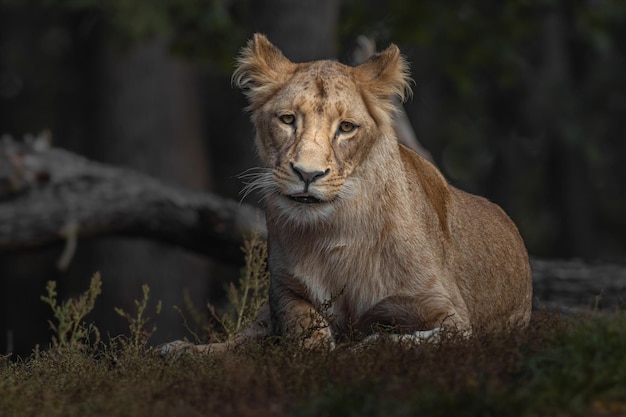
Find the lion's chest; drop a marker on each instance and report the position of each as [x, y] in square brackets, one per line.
[343, 279]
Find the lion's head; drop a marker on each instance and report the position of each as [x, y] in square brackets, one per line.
[317, 122]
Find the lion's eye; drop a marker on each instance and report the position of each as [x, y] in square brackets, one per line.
[287, 119]
[346, 127]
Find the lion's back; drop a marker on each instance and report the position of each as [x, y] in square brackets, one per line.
[490, 263]
[484, 256]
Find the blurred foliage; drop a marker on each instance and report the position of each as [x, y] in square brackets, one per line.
[195, 29]
[532, 106]
[473, 38]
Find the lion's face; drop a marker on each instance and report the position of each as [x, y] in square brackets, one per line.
[316, 122]
[313, 133]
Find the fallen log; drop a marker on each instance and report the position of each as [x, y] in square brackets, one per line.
[576, 284]
[49, 195]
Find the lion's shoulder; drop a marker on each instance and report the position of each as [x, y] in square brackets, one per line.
[421, 173]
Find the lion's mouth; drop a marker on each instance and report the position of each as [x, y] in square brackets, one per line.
[304, 198]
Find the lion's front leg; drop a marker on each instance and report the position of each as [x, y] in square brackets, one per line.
[299, 321]
[178, 347]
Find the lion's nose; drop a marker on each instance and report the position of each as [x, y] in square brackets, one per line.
[308, 176]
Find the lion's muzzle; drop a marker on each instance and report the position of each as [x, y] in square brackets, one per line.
[308, 176]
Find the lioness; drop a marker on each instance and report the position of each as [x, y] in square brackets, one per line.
[363, 232]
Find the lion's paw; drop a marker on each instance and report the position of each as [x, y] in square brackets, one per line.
[174, 349]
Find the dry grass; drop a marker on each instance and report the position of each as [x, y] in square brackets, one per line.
[561, 365]
[573, 366]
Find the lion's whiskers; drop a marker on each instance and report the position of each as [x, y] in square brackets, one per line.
[257, 179]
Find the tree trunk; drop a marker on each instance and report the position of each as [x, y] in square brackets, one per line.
[303, 30]
[149, 119]
[551, 107]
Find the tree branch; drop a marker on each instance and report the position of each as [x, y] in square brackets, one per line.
[48, 195]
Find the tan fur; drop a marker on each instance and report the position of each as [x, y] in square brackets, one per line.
[391, 242]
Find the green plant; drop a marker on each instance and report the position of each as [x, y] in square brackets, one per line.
[247, 296]
[71, 331]
[140, 330]
[200, 322]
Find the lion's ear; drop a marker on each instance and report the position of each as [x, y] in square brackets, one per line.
[261, 70]
[386, 74]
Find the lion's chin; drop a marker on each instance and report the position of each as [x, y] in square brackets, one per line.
[303, 210]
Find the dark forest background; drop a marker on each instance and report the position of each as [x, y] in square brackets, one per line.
[521, 101]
